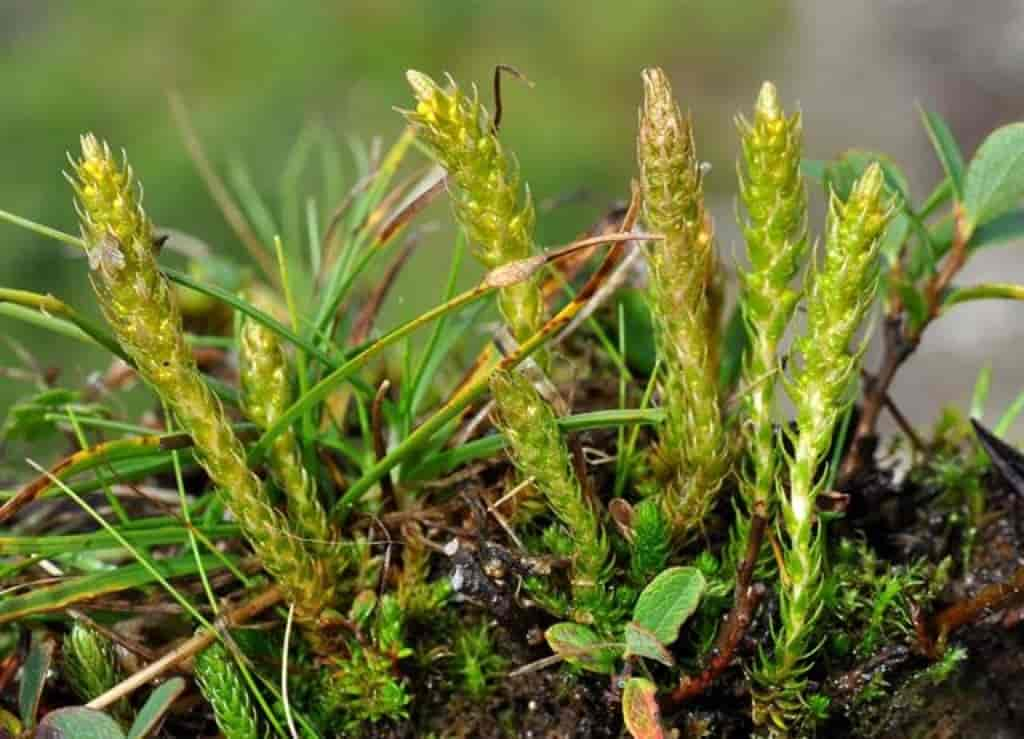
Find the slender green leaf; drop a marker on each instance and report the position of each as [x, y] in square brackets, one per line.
[987, 291]
[86, 587]
[254, 313]
[442, 463]
[995, 177]
[895, 236]
[33, 678]
[158, 703]
[1009, 416]
[668, 600]
[98, 541]
[735, 343]
[939, 197]
[979, 397]
[946, 149]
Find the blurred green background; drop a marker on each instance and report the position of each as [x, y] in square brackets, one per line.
[253, 73]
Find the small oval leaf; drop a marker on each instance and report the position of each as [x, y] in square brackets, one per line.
[995, 177]
[640, 709]
[580, 646]
[641, 642]
[78, 723]
[668, 600]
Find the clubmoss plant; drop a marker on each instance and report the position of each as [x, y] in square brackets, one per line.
[651, 545]
[459, 133]
[365, 686]
[266, 385]
[692, 446]
[773, 192]
[90, 665]
[840, 295]
[222, 686]
[540, 453]
[138, 304]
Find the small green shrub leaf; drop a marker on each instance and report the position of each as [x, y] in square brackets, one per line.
[78, 723]
[946, 148]
[33, 678]
[641, 642]
[640, 709]
[995, 177]
[580, 646]
[159, 701]
[668, 600]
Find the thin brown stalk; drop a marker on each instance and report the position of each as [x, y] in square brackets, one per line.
[748, 596]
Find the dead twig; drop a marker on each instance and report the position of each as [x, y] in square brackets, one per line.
[380, 448]
[498, 69]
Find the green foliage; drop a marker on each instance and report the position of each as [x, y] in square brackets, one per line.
[90, 665]
[222, 686]
[622, 564]
[871, 601]
[994, 182]
[476, 664]
[581, 646]
[36, 417]
[33, 678]
[364, 687]
[668, 601]
[651, 541]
